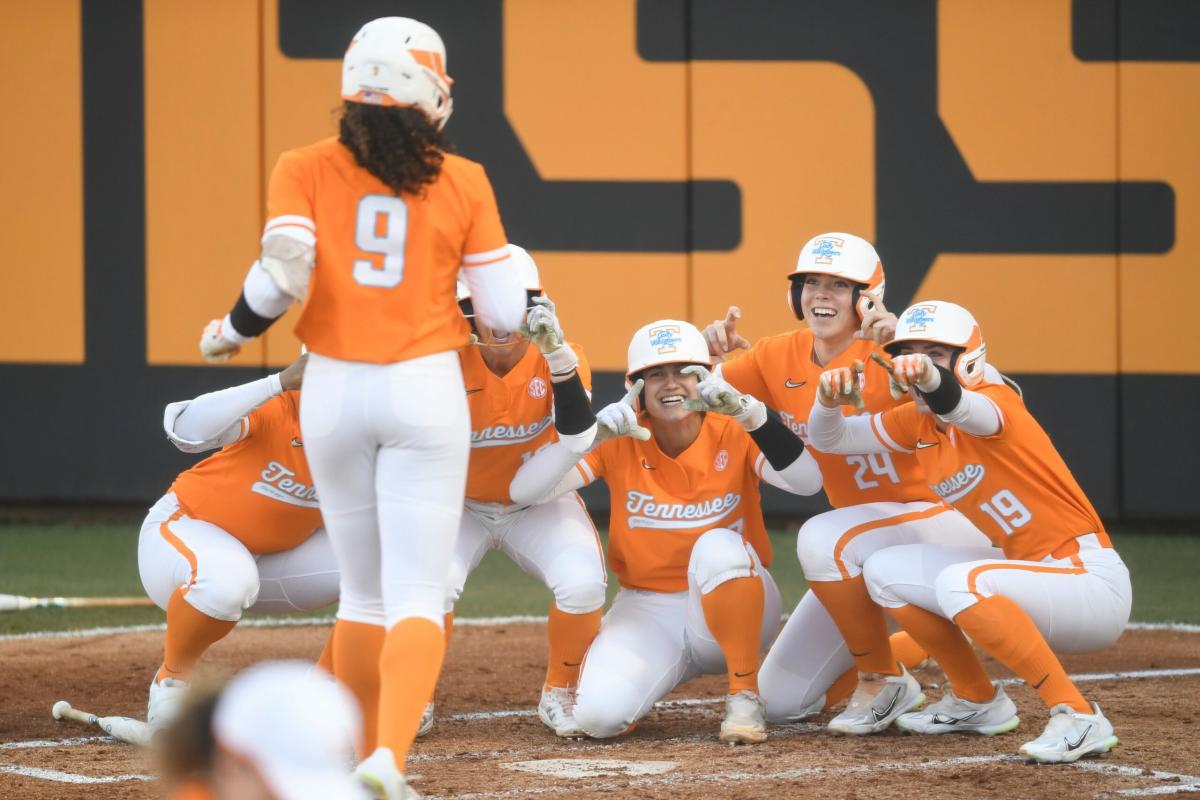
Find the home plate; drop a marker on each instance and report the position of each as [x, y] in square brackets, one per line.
[591, 767]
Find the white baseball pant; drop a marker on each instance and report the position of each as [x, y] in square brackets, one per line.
[554, 542]
[650, 642]
[388, 445]
[1080, 604]
[228, 578]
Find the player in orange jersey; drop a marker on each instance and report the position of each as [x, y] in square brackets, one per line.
[686, 533]
[371, 228]
[512, 416]
[879, 500]
[1051, 579]
[240, 531]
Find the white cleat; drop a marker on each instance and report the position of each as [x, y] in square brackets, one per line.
[557, 711]
[745, 719]
[952, 714]
[166, 698]
[877, 702]
[382, 779]
[426, 720]
[1071, 735]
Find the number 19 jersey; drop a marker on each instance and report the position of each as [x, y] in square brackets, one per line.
[383, 286]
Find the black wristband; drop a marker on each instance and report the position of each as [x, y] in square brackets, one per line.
[777, 442]
[245, 321]
[572, 409]
[946, 397]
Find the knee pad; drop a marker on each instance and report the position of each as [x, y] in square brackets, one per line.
[718, 556]
[815, 545]
[227, 592]
[579, 598]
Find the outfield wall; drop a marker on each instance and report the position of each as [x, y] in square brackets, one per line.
[1034, 160]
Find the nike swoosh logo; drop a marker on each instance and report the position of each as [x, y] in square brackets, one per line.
[789, 384]
[1038, 685]
[744, 674]
[922, 445]
[878, 715]
[473, 391]
[296, 442]
[939, 719]
[646, 464]
[572, 664]
[1075, 746]
[858, 655]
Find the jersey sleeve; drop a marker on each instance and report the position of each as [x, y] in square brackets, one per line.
[486, 242]
[592, 466]
[898, 428]
[1008, 404]
[265, 419]
[290, 196]
[745, 373]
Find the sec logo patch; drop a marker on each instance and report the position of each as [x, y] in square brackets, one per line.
[537, 388]
[722, 460]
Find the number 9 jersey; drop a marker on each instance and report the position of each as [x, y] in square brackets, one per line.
[382, 289]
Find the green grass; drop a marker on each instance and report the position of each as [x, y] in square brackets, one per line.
[101, 559]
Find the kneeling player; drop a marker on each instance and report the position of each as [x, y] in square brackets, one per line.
[1052, 581]
[239, 531]
[687, 538]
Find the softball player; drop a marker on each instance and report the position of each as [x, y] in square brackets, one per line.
[879, 500]
[380, 220]
[687, 538]
[1050, 581]
[512, 416]
[239, 531]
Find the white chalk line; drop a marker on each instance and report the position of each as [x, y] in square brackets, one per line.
[481, 622]
[35, 743]
[69, 777]
[1181, 783]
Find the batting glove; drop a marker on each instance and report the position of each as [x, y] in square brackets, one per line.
[220, 342]
[718, 396]
[842, 386]
[916, 369]
[620, 418]
[897, 389]
[544, 330]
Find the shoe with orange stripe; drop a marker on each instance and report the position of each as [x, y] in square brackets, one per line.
[877, 703]
[1070, 735]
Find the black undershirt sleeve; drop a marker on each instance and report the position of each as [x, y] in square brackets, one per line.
[776, 441]
[946, 397]
[572, 409]
[245, 321]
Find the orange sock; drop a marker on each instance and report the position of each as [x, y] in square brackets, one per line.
[733, 612]
[189, 633]
[356, 648]
[946, 643]
[842, 688]
[409, 667]
[860, 621]
[1003, 629]
[907, 652]
[569, 637]
[325, 660]
[448, 626]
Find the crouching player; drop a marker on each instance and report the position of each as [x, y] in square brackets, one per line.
[1052, 582]
[687, 538]
[512, 415]
[239, 531]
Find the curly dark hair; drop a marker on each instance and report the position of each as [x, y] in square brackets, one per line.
[400, 146]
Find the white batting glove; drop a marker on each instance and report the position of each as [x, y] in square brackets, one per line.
[842, 386]
[717, 395]
[897, 389]
[620, 418]
[916, 369]
[545, 331]
[215, 343]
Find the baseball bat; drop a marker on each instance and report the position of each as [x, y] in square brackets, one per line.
[126, 729]
[16, 602]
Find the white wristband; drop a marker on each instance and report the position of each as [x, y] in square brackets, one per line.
[562, 361]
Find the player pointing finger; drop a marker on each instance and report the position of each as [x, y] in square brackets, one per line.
[722, 335]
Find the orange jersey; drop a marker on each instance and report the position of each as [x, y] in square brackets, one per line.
[1014, 485]
[383, 287]
[661, 505]
[257, 489]
[511, 418]
[780, 371]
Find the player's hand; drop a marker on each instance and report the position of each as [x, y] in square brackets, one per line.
[545, 331]
[620, 418]
[293, 376]
[841, 386]
[718, 395]
[897, 389]
[214, 345]
[878, 324]
[722, 335]
[916, 369]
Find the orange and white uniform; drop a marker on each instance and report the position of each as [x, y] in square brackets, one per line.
[512, 417]
[1049, 551]
[679, 528]
[242, 529]
[880, 499]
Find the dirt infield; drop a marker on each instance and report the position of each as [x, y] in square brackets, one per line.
[488, 742]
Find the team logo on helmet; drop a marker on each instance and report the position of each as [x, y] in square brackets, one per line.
[665, 338]
[918, 318]
[825, 250]
[537, 388]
